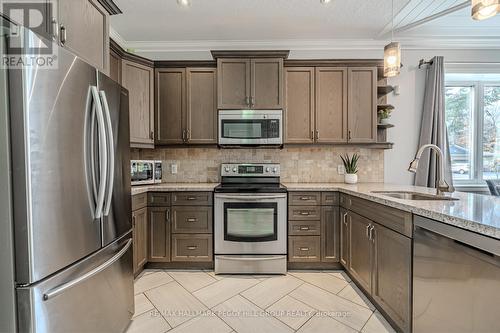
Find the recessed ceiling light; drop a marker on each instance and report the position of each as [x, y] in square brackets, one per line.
[483, 9]
[184, 3]
[324, 2]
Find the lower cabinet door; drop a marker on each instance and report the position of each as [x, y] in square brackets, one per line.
[330, 234]
[392, 275]
[360, 262]
[159, 234]
[140, 242]
[192, 247]
[344, 238]
[304, 248]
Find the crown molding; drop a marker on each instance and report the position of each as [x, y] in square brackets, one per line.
[113, 34]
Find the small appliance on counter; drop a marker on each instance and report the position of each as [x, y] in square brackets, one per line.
[250, 218]
[243, 128]
[144, 172]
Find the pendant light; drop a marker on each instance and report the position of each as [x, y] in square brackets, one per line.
[483, 9]
[392, 53]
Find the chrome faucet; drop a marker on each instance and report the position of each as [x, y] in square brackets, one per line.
[441, 185]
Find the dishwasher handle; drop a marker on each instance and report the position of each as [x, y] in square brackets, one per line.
[464, 237]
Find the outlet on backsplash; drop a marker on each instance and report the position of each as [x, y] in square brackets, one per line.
[173, 168]
[340, 169]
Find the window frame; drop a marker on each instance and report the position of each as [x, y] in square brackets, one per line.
[477, 159]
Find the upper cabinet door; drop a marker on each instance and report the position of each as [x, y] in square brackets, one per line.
[84, 30]
[267, 83]
[115, 67]
[139, 81]
[362, 105]
[331, 105]
[170, 105]
[299, 104]
[233, 83]
[201, 105]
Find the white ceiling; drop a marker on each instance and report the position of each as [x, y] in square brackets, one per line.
[156, 27]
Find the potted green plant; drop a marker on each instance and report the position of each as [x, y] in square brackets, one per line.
[351, 168]
[383, 115]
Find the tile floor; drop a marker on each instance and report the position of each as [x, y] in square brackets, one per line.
[301, 301]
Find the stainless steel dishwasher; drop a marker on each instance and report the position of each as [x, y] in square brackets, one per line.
[456, 279]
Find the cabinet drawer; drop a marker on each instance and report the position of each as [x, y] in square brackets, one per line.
[392, 218]
[304, 248]
[329, 198]
[304, 198]
[303, 213]
[304, 228]
[159, 199]
[192, 198]
[139, 201]
[191, 219]
[191, 247]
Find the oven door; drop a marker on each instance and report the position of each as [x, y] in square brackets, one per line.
[250, 223]
[249, 127]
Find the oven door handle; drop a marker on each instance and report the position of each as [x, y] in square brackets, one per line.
[251, 197]
[263, 258]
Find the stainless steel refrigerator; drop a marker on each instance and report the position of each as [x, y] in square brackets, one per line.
[70, 198]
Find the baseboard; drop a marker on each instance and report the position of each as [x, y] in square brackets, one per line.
[314, 265]
[187, 265]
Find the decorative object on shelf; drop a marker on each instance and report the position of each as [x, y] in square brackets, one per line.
[392, 53]
[483, 9]
[184, 3]
[351, 168]
[383, 115]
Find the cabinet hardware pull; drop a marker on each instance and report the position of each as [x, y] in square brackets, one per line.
[349, 135]
[312, 135]
[304, 228]
[191, 198]
[252, 101]
[304, 198]
[304, 213]
[317, 135]
[192, 247]
[368, 231]
[191, 219]
[151, 135]
[55, 29]
[62, 34]
[168, 215]
[188, 135]
[304, 249]
[372, 238]
[345, 218]
[183, 135]
[247, 100]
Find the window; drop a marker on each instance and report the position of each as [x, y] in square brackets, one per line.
[473, 122]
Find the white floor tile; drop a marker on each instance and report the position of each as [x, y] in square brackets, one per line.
[340, 274]
[352, 293]
[245, 317]
[148, 322]
[142, 304]
[205, 324]
[271, 290]
[323, 280]
[192, 280]
[324, 324]
[224, 289]
[345, 311]
[150, 281]
[175, 304]
[377, 324]
[291, 311]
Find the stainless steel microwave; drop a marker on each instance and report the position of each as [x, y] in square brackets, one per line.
[144, 172]
[250, 127]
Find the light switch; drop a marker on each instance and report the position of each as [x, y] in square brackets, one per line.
[173, 168]
[340, 169]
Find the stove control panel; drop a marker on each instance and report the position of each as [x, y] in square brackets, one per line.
[250, 170]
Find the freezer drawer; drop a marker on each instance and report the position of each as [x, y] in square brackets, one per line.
[456, 279]
[95, 295]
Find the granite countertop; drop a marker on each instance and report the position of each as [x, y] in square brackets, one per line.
[166, 187]
[474, 212]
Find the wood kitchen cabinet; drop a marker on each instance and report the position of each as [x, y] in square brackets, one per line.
[329, 105]
[360, 259]
[344, 238]
[83, 28]
[159, 234]
[362, 105]
[250, 83]
[186, 111]
[139, 81]
[330, 232]
[115, 67]
[139, 237]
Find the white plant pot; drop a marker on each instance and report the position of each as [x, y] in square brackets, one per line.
[384, 121]
[350, 178]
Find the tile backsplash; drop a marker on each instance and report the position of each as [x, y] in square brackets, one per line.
[298, 164]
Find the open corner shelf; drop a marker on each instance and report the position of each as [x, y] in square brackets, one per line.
[384, 90]
[384, 126]
[385, 106]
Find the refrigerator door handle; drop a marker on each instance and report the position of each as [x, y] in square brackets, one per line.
[111, 152]
[103, 158]
[65, 286]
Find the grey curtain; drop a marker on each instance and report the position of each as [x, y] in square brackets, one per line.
[433, 127]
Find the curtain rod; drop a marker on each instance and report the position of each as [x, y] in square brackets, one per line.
[422, 62]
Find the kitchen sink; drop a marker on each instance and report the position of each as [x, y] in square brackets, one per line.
[407, 195]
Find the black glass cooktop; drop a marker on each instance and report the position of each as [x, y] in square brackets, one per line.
[250, 188]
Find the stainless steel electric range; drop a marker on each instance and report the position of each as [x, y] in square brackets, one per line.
[250, 220]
